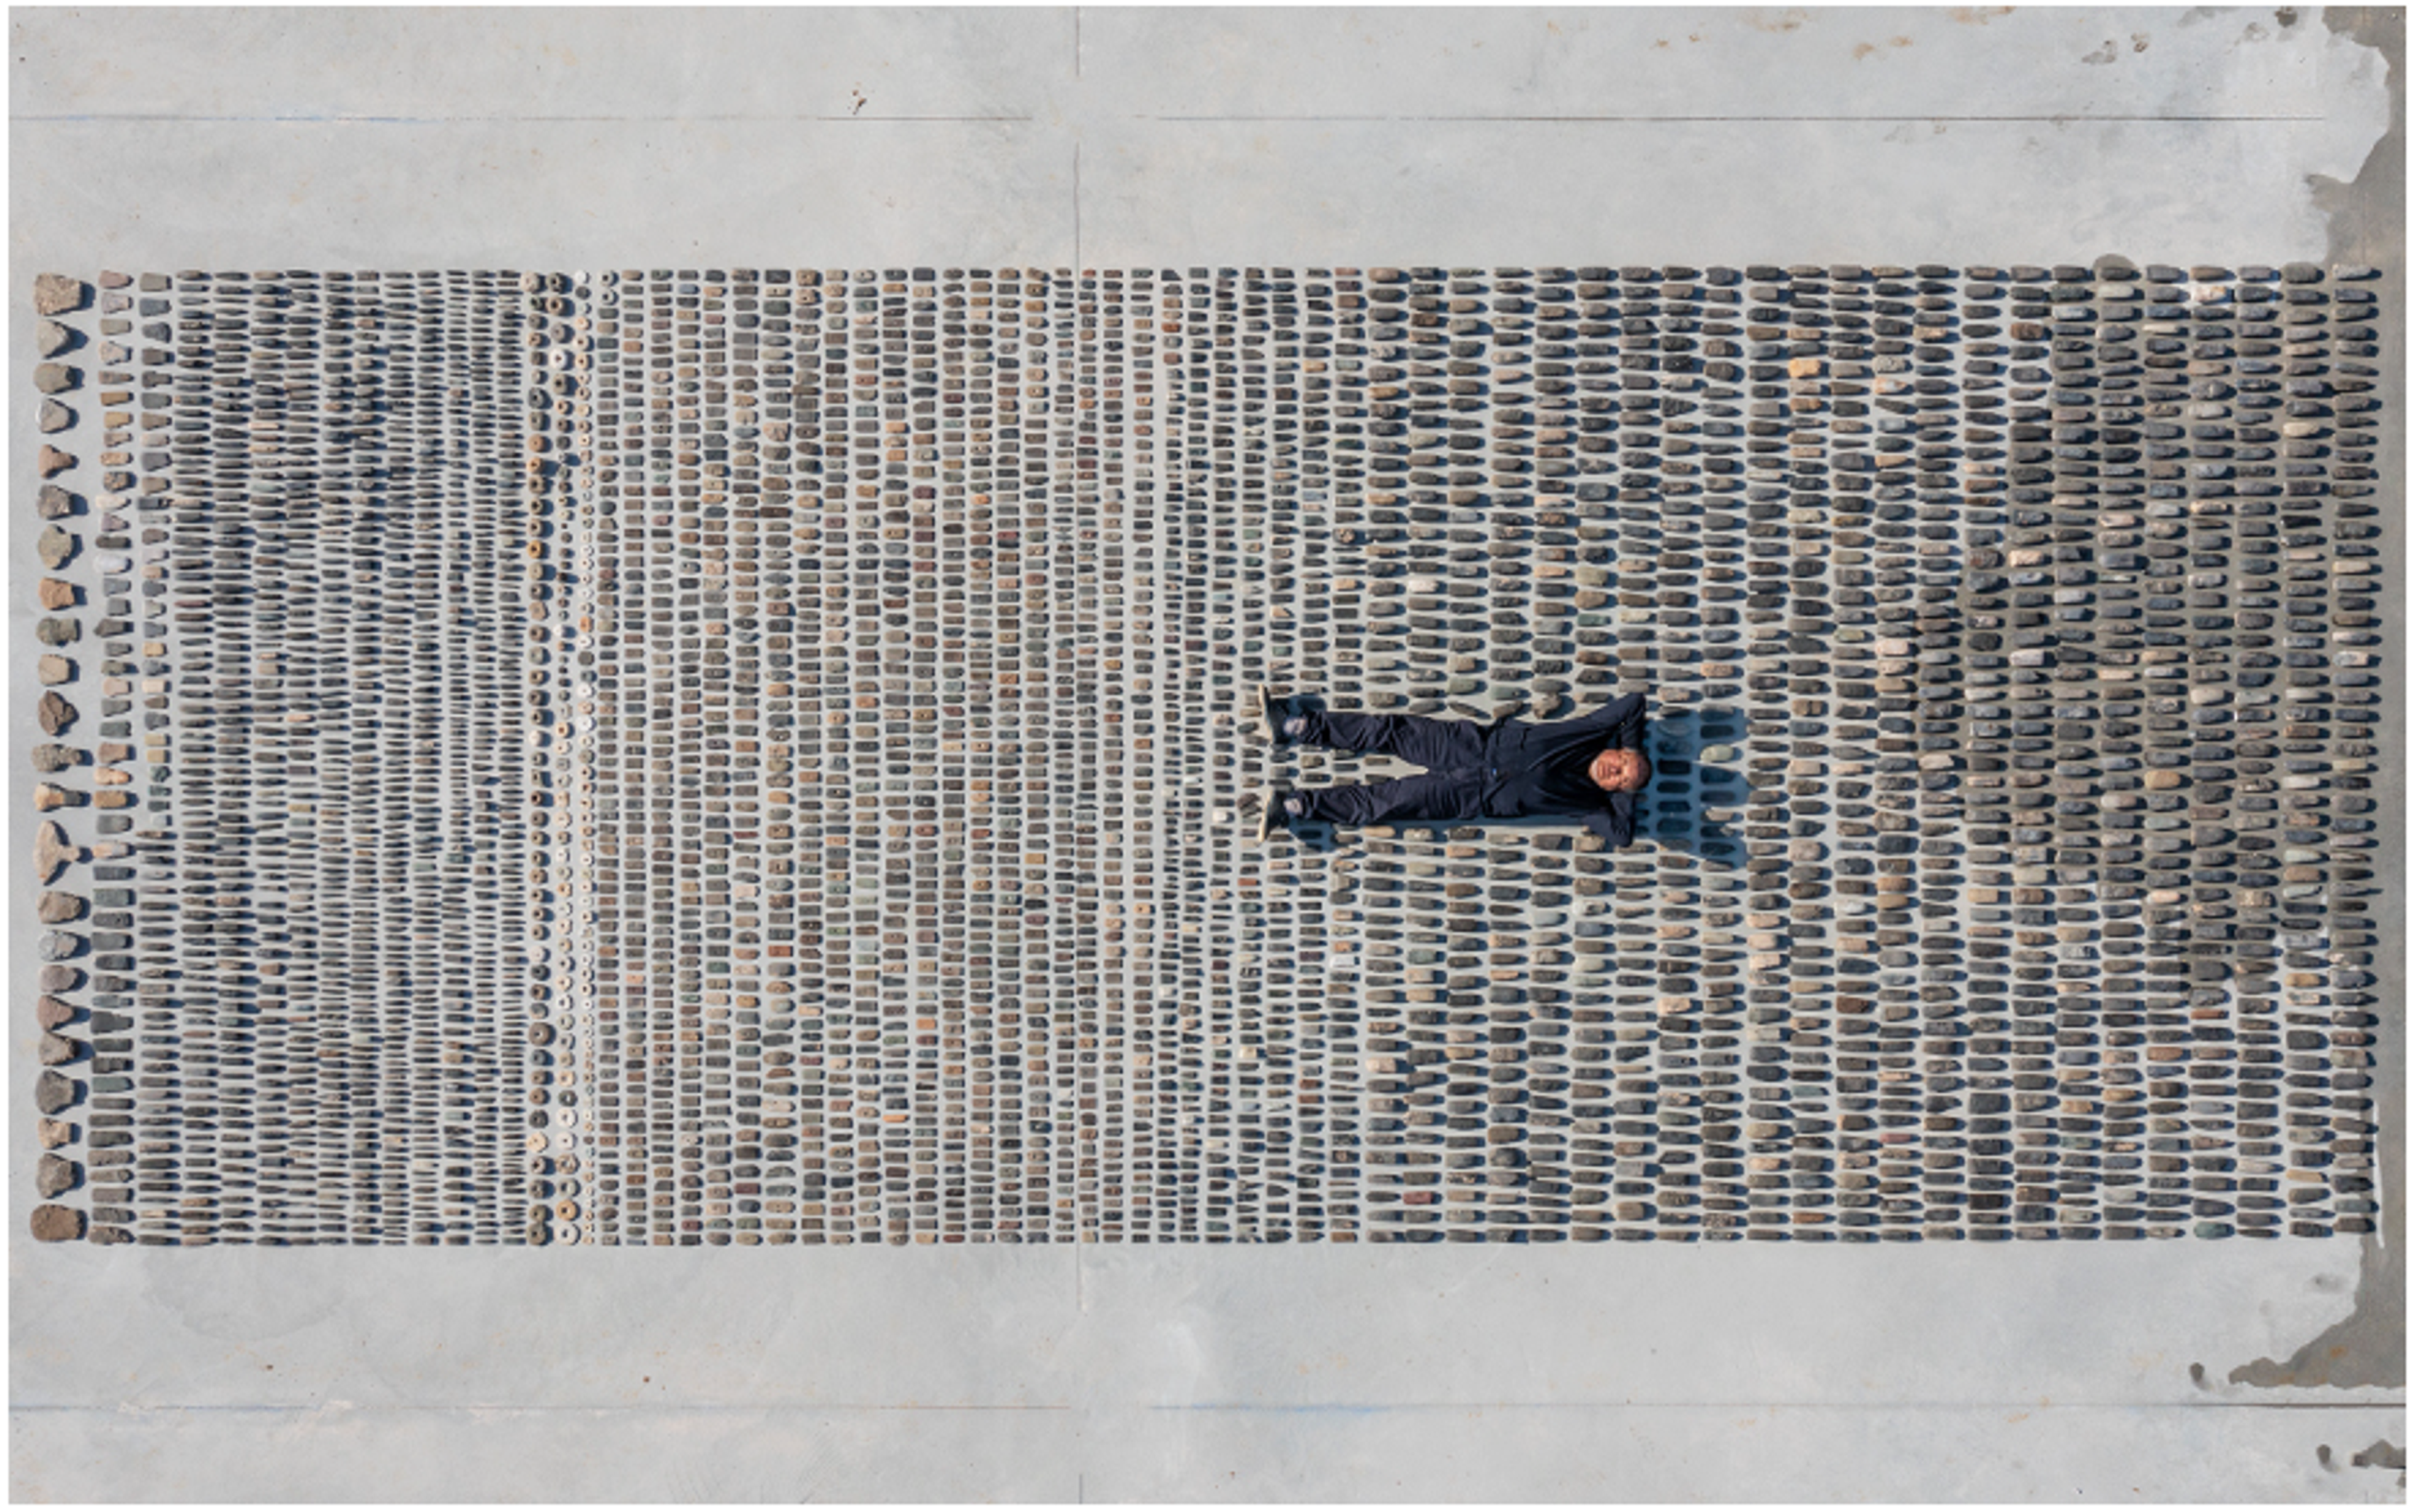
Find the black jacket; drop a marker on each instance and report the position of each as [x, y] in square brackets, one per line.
[1540, 768]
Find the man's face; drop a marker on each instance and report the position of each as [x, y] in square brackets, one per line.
[1617, 771]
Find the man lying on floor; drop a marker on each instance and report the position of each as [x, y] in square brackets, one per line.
[1589, 769]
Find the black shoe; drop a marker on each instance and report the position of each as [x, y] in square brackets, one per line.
[1273, 813]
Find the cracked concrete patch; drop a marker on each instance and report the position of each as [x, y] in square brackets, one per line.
[2367, 219]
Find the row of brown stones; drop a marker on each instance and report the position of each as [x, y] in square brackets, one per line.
[59, 1088]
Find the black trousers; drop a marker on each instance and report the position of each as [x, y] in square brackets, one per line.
[1454, 753]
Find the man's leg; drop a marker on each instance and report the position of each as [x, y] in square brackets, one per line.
[1435, 744]
[1430, 796]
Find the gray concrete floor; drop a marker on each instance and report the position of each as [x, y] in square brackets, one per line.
[560, 138]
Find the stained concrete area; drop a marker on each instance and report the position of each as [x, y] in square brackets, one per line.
[2185, 1368]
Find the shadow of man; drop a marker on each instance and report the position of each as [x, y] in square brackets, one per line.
[1696, 792]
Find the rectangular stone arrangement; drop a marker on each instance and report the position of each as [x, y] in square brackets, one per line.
[744, 755]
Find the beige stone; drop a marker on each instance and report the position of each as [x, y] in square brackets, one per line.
[55, 293]
[52, 851]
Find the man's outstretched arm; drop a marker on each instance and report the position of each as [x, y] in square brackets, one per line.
[1618, 719]
[1616, 823]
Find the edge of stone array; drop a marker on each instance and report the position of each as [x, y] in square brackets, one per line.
[70, 771]
[62, 781]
